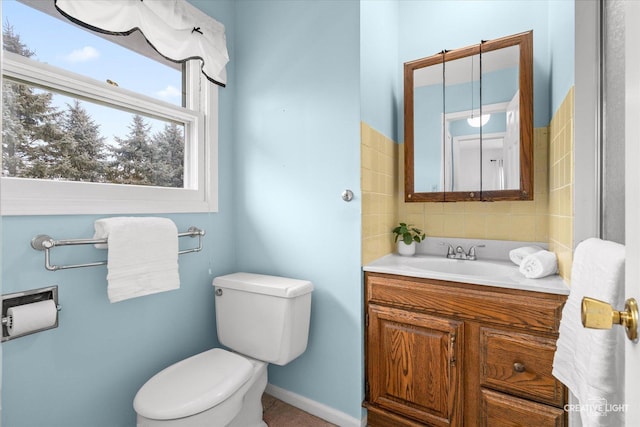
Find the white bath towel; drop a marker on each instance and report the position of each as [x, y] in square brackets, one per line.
[539, 264]
[143, 255]
[518, 254]
[590, 362]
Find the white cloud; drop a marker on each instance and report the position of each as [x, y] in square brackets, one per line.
[169, 92]
[87, 53]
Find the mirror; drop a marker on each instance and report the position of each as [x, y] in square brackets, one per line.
[469, 123]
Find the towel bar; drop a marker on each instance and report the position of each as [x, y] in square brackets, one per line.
[45, 243]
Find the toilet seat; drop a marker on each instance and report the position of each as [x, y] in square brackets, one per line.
[192, 385]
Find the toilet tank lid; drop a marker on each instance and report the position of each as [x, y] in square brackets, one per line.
[283, 287]
[192, 385]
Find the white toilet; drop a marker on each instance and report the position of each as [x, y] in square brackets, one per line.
[263, 319]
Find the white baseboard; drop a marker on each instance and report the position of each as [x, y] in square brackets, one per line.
[320, 410]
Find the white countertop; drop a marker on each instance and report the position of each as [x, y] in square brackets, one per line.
[498, 273]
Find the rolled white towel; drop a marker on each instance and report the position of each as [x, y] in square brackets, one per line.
[540, 264]
[518, 254]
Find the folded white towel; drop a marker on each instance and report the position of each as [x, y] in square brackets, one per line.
[539, 264]
[143, 255]
[518, 254]
[590, 362]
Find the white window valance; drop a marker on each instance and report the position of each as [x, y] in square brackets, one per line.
[174, 28]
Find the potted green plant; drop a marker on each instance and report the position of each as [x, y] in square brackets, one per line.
[407, 236]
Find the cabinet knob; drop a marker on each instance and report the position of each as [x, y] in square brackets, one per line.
[518, 367]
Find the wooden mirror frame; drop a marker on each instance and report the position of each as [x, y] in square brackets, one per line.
[525, 192]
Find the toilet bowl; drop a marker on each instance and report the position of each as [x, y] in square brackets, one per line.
[213, 388]
[263, 319]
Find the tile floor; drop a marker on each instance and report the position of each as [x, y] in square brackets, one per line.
[280, 414]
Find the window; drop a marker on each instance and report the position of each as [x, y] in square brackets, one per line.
[93, 123]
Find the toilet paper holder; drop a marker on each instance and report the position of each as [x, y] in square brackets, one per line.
[27, 297]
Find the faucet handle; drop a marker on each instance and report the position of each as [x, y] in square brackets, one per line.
[472, 251]
[451, 253]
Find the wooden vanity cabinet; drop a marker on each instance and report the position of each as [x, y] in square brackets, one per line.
[452, 354]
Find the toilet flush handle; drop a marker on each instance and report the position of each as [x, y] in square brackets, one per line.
[218, 292]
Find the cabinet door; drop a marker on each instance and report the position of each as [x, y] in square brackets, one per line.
[413, 365]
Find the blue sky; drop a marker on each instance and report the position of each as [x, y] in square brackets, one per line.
[57, 43]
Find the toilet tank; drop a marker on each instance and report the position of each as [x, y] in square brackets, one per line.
[263, 317]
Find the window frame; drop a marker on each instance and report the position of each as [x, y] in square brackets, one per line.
[26, 196]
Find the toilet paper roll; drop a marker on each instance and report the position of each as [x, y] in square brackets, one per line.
[31, 317]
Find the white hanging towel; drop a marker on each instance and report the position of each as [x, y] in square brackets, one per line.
[142, 257]
[590, 362]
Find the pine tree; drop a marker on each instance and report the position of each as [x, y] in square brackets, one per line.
[29, 119]
[133, 156]
[87, 154]
[170, 156]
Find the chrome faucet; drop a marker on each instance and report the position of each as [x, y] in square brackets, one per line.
[451, 253]
[459, 252]
[471, 255]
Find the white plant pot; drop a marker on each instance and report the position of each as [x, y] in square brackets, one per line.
[406, 250]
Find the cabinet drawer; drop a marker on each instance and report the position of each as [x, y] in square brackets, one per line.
[519, 364]
[535, 311]
[501, 410]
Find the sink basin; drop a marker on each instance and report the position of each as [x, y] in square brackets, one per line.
[462, 267]
[500, 273]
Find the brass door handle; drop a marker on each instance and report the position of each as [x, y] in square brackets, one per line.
[600, 315]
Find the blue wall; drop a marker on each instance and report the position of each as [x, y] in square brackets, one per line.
[562, 46]
[87, 371]
[297, 148]
[381, 90]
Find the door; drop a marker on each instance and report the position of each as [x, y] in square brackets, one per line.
[413, 365]
[632, 196]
